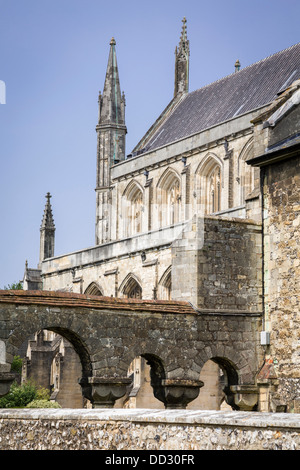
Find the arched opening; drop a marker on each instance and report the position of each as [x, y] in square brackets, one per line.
[209, 185]
[131, 287]
[146, 372]
[218, 374]
[94, 289]
[165, 285]
[132, 209]
[169, 198]
[55, 359]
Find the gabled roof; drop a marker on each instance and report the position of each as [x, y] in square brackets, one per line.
[248, 89]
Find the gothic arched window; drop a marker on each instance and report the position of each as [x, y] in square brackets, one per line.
[214, 196]
[245, 172]
[131, 288]
[93, 289]
[165, 285]
[169, 198]
[209, 185]
[132, 210]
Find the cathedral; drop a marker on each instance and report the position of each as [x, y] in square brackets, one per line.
[204, 209]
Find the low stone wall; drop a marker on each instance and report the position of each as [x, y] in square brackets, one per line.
[140, 429]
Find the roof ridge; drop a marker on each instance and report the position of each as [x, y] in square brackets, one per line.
[245, 68]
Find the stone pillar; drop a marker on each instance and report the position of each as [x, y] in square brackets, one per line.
[146, 223]
[185, 261]
[228, 160]
[185, 190]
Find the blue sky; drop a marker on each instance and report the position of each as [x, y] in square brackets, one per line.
[53, 57]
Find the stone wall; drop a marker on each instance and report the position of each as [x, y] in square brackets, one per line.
[108, 265]
[230, 265]
[276, 151]
[108, 333]
[217, 264]
[190, 430]
[282, 272]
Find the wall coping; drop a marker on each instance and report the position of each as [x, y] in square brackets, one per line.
[244, 419]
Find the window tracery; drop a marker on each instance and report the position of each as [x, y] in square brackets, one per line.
[132, 289]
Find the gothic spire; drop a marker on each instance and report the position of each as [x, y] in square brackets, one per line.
[47, 232]
[182, 63]
[111, 103]
[48, 221]
[111, 131]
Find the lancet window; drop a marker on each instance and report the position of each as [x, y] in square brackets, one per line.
[209, 186]
[132, 289]
[132, 210]
[169, 199]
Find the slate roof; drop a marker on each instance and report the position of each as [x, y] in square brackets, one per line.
[248, 89]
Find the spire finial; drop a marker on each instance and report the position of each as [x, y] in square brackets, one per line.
[47, 231]
[48, 221]
[237, 65]
[183, 31]
[182, 62]
[112, 41]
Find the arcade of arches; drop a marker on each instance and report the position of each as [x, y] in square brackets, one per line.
[114, 338]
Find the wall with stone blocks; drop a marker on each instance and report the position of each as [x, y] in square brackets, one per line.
[282, 271]
[138, 429]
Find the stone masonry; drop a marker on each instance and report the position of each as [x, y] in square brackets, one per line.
[108, 333]
[147, 430]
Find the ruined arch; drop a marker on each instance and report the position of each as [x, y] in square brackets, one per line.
[146, 372]
[21, 336]
[169, 197]
[132, 209]
[165, 285]
[208, 184]
[94, 289]
[108, 333]
[157, 374]
[131, 287]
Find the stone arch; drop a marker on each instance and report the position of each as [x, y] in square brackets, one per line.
[208, 184]
[169, 197]
[131, 287]
[94, 289]
[28, 329]
[245, 173]
[157, 374]
[146, 370]
[230, 378]
[165, 285]
[132, 208]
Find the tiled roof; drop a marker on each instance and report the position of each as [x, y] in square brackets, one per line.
[68, 299]
[250, 88]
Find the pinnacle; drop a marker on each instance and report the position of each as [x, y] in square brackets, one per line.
[48, 221]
